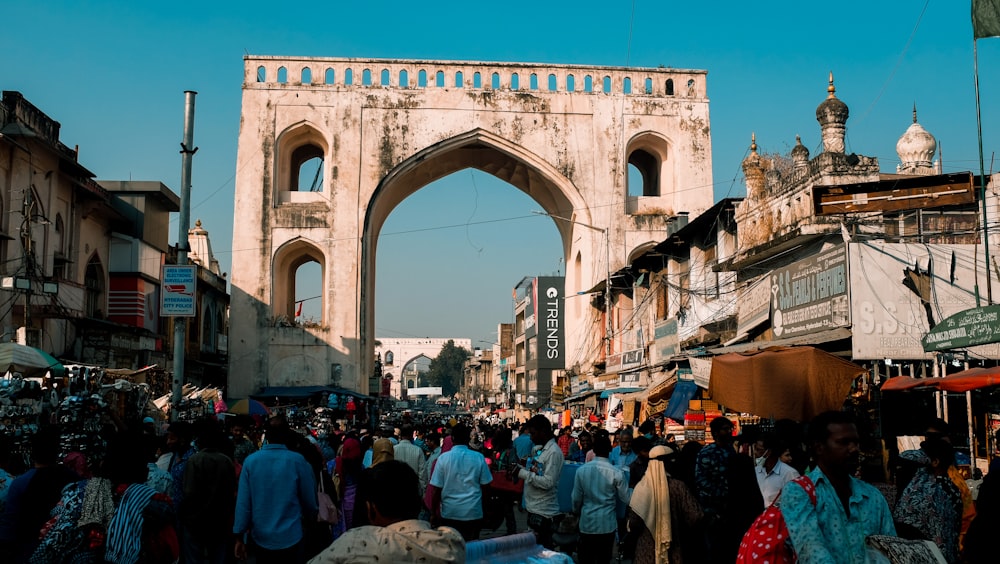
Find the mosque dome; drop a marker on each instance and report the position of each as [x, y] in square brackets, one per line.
[832, 117]
[916, 147]
[832, 110]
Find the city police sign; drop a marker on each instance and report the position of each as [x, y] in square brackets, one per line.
[177, 295]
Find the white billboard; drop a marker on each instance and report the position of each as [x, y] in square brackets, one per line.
[425, 391]
[889, 319]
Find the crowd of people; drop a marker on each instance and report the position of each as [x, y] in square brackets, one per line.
[418, 491]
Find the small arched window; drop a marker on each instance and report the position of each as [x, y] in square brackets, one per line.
[389, 358]
[330, 76]
[282, 75]
[94, 284]
[669, 88]
[307, 76]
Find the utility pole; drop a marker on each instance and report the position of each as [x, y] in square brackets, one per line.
[183, 225]
[607, 281]
[29, 273]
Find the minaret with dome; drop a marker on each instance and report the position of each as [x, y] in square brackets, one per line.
[916, 149]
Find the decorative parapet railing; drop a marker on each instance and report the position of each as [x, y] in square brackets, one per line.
[418, 74]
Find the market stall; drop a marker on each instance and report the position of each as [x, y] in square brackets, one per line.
[782, 382]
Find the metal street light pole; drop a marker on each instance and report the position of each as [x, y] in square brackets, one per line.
[607, 279]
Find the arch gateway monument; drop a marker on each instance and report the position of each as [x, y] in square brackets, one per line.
[382, 129]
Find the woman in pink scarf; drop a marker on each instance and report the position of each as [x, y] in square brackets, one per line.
[348, 472]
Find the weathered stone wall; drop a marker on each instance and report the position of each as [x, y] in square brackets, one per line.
[560, 134]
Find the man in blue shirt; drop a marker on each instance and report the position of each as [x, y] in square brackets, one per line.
[622, 455]
[523, 444]
[597, 487]
[277, 493]
[846, 511]
[458, 479]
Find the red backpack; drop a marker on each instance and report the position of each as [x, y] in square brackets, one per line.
[768, 540]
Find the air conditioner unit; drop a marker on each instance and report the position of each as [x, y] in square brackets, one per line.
[30, 336]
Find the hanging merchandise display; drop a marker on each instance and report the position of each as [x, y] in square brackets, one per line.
[21, 405]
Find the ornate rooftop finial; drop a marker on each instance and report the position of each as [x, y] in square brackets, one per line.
[753, 170]
[800, 155]
[914, 112]
[832, 115]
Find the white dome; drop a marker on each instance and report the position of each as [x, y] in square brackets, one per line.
[916, 147]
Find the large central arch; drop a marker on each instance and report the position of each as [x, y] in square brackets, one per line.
[383, 129]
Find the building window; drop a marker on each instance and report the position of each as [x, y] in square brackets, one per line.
[646, 157]
[287, 268]
[301, 160]
[94, 285]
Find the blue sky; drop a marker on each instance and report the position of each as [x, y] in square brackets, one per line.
[113, 74]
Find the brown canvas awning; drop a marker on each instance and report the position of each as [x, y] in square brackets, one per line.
[782, 382]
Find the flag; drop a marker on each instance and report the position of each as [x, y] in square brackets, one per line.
[298, 311]
[985, 18]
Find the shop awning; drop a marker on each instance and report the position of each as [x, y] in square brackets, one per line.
[290, 392]
[971, 379]
[782, 382]
[808, 339]
[607, 393]
[683, 392]
[581, 396]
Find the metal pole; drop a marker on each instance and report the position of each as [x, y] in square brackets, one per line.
[937, 395]
[183, 224]
[607, 291]
[982, 182]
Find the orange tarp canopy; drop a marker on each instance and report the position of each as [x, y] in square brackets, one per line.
[971, 379]
[782, 382]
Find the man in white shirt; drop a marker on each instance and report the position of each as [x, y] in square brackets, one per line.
[541, 480]
[410, 453]
[597, 487]
[458, 479]
[772, 473]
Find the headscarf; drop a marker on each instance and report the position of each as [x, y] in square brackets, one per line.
[651, 502]
[382, 450]
[349, 452]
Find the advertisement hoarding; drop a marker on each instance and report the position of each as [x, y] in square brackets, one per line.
[550, 321]
[889, 319]
[810, 295]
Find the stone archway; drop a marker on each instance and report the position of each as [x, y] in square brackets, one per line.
[561, 134]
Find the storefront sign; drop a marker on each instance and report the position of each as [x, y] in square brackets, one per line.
[546, 308]
[665, 344]
[811, 295]
[629, 379]
[753, 306]
[624, 361]
[889, 319]
[976, 326]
